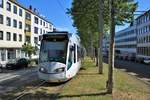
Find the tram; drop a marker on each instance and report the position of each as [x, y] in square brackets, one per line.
[60, 56]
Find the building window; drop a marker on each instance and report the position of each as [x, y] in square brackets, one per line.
[41, 22]
[27, 39]
[43, 31]
[36, 30]
[1, 19]
[8, 36]
[28, 16]
[20, 25]
[1, 35]
[28, 28]
[8, 21]
[14, 37]
[20, 12]
[40, 38]
[8, 6]
[1, 3]
[15, 9]
[46, 25]
[40, 31]
[36, 20]
[20, 37]
[35, 40]
[50, 27]
[15, 23]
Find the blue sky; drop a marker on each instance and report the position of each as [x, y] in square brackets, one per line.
[55, 13]
[52, 10]
[142, 6]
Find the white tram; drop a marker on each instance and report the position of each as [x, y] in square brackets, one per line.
[60, 56]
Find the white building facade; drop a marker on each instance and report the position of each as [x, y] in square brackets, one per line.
[17, 26]
[136, 38]
[143, 35]
[125, 40]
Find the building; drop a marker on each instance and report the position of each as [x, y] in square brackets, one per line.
[105, 45]
[19, 25]
[136, 38]
[105, 42]
[125, 40]
[143, 35]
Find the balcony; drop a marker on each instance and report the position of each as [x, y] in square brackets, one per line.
[27, 33]
[28, 21]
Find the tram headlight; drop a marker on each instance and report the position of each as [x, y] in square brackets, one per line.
[42, 69]
[60, 70]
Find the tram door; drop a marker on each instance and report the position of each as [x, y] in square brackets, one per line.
[71, 57]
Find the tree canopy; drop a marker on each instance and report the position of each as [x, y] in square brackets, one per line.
[85, 14]
[29, 49]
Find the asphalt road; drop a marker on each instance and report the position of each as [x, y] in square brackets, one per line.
[140, 71]
[13, 80]
[15, 83]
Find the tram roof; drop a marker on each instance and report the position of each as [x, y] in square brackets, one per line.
[57, 32]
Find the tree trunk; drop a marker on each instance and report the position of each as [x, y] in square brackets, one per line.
[111, 49]
[91, 45]
[101, 27]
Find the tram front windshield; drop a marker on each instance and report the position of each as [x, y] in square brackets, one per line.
[53, 51]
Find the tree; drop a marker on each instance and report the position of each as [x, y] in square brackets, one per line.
[28, 49]
[120, 12]
[85, 14]
[101, 31]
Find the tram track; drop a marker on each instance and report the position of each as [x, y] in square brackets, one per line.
[27, 93]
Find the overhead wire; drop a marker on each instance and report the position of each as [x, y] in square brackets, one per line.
[63, 9]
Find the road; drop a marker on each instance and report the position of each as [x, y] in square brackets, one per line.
[15, 79]
[140, 71]
[15, 83]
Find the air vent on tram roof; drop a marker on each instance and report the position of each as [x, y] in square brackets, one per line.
[55, 36]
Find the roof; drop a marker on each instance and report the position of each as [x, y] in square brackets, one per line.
[58, 32]
[143, 14]
[20, 5]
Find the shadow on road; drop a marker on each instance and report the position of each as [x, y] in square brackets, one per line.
[137, 69]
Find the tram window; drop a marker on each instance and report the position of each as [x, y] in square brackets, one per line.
[71, 48]
[78, 53]
[71, 57]
[74, 53]
[53, 51]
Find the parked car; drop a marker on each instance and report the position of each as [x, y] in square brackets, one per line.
[105, 54]
[147, 61]
[139, 59]
[1, 67]
[17, 63]
[120, 56]
[132, 57]
[125, 56]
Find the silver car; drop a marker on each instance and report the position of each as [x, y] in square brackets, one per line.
[147, 61]
[1, 67]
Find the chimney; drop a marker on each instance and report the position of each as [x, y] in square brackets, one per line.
[30, 7]
[35, 10]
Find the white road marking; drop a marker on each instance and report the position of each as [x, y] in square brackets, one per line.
[8, 77]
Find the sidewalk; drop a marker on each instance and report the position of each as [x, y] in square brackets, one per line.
[89, 85]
